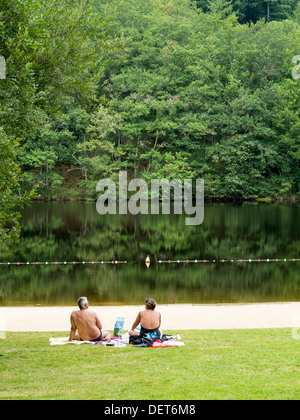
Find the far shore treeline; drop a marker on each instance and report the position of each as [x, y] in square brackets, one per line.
[176, 89]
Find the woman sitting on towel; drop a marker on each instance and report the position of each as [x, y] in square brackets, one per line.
[149, 319]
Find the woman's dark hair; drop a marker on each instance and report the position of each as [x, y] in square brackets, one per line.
[150, 303]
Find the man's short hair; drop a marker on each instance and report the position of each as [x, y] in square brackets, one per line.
[150, 303]
[82, 301]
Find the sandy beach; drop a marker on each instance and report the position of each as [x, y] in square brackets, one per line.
[174, 317]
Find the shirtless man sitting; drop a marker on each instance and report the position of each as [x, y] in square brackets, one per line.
[149, 319]
[87, 323]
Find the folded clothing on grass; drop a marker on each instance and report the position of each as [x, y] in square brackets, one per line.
[148, 341]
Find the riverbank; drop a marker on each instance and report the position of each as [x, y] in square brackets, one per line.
[70, 190]
[174, 317]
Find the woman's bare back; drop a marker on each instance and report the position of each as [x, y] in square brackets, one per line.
[150, 319]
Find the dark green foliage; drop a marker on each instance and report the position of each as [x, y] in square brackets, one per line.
[206, 89]
[190, 93]
[253, 10]
[10, 176]
[51, 51]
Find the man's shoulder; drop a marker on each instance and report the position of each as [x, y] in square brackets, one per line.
[92, 313]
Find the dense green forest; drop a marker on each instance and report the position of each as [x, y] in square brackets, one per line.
[162, 89]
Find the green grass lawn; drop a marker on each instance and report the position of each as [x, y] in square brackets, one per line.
[214, 364]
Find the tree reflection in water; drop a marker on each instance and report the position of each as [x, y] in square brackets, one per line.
[75, 232]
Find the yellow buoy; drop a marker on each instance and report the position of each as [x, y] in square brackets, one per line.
[147, 262]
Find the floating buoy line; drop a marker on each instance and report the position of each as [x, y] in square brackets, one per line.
[242, 260]
[148, 262]
[64, 263]
[230, 261]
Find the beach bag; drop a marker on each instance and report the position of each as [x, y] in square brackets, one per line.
[118, 329]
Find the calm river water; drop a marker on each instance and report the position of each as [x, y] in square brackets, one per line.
[75, 232]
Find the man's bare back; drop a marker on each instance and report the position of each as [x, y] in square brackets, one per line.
[87, 324]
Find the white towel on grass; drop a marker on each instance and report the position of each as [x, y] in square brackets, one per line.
[61, 341]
